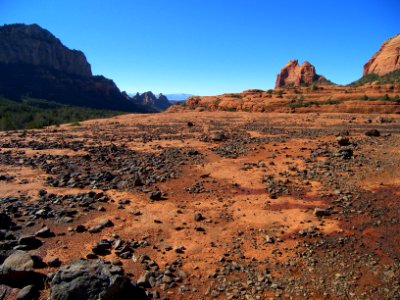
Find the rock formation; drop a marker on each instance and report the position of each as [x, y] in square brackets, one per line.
[33, 45]
[150, 100]
[35, 63]
[386, 60]
[294, 74]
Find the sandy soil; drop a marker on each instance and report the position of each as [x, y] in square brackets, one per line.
[257, 188]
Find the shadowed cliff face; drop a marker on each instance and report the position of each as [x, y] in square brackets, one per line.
[35, 63]
[294, 74]
[386, 60]
[32, 45]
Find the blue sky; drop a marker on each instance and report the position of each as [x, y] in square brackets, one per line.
[208, 47]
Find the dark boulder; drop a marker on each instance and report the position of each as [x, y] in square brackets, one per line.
[93, 280]
[5, 221]
[373, 132]
[156, 195]
[29, 242]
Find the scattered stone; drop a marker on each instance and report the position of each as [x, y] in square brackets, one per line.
[218, 137]
[80, 228]
[29, 242]
[180, 250]
[102, 248]
[198, 217]
[320, 212]
[346, 153]
[373, 132]
[269, 239]
[199, 228]
[5, 221]
[54, 262]
[343, 141]
[44, 232]
[101, 226]
[156, 195]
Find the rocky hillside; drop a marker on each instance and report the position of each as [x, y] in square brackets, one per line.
[386, 60]
[34, 63]
[148, 99]
[333, 98]
[294, 74]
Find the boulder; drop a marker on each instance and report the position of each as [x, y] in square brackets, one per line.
[28, 292]
[29, 242]
[17, 270]
[156, 195]
[320, 212]
[373, 132]
[93, 280]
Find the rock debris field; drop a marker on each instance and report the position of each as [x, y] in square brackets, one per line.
[200, 205]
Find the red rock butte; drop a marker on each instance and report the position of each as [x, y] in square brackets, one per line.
[293, 74]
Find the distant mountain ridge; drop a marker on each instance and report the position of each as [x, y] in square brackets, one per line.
[148, 99]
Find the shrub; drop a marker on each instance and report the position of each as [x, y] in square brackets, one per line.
[37, 113]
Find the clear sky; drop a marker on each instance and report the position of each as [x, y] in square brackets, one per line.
[208, 47]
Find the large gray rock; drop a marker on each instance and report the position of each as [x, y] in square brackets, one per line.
[17, 270]
[92, 280]
[18, 261]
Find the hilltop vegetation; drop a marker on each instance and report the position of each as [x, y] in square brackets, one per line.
[388, 78]
[37, 113]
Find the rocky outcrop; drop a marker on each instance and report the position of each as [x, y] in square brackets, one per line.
[150, 100]
[294, 74]
[326, 98]
[36, 64]
[386, 60]
[33, 45]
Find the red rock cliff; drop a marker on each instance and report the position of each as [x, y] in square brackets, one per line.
[386, 60]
